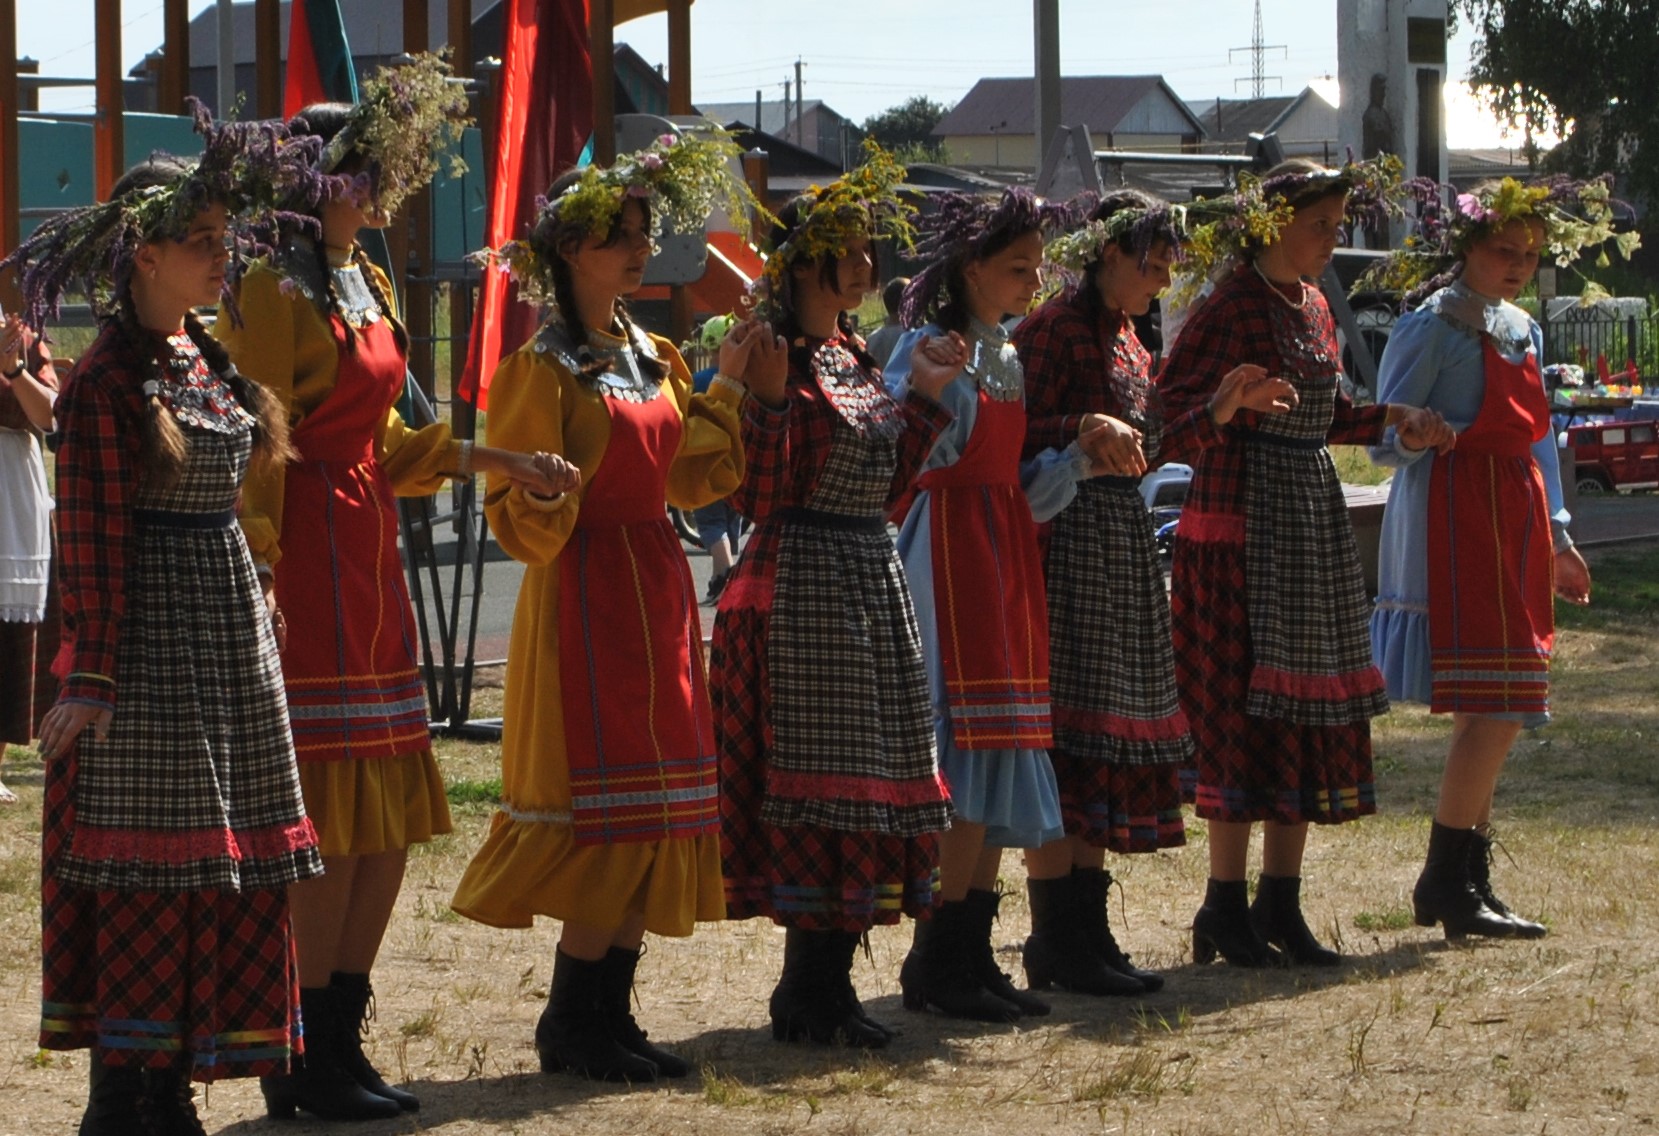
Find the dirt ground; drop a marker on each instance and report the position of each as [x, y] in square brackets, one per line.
[1410, 1035]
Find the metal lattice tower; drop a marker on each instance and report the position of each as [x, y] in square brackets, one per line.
[1258, 57]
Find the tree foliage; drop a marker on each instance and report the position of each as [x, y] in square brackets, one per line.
[910, 123]
[1581, 67]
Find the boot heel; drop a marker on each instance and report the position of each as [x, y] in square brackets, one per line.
[1422, 918]
[1203, 949]
[914, 1000]
[279, 1098]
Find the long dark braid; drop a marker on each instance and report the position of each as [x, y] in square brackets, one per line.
[162, 447]
[271, 446]
[372, 278]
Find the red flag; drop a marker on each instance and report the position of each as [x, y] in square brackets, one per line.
[543, 122]
[319, 68]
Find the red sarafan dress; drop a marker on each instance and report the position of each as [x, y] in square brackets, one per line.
[831, 799]
[1268, 598]
[328, 527]
[610, 800]
[168, 845]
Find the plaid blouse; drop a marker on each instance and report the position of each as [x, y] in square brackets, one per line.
[1231, 327]
[1068, 374]
[780, 476]
[101, 415]
[101, 420]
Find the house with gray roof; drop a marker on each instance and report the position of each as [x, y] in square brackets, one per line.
[995, 123]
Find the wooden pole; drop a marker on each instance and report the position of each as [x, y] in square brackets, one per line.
[10, 218]
[602, 49]
[267, 47]
[415, 265]
[460, 37]
[679, 102]
[679, 57]
[108, 157]
[174, 82]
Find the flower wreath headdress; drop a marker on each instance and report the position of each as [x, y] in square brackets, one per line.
[682, 180]
[255, 168]
[1254, 215]
[864, 202]
[1576, 215]
[960, 227]
[404, 116]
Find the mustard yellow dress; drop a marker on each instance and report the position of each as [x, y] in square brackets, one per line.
[609, 777]
[326, 527]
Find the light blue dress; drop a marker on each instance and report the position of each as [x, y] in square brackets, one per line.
[1434, 359]
[1011, 792]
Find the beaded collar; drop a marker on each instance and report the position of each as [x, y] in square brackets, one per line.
[1477, 316]
[622, 377]
[196, 396]
[994, 364]
[300, 270]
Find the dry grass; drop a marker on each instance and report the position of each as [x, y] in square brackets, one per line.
[1411, 1035]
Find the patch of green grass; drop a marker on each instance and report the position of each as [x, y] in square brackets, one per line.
[1354, 466]
[1624, 592]
[474, 792]
[1397, 919]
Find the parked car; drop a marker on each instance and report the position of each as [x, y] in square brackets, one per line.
[1615, 456]
[1166, 485]
[1164, 520]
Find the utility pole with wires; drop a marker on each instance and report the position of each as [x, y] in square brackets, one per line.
[800, 106]
[1258, 56]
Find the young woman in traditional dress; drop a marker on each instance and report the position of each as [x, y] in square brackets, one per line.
[1268, 600]
[610, 819]
[1465, 620]
[831, 800]
[969, 548]
[173, 818]
[1120, 734]
[320, 331]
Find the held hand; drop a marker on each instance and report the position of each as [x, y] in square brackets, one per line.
[1113, 445]
[279, 624]
[63, 724]
[542, 474]
[935, 361]
[767, 372]
[1572, 577]
[735, 347]
[1229, 393]
[1422, 429]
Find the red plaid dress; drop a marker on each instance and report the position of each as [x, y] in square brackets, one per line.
[1274, 742]
[1120, 734]
[830, 796]
[168, 845]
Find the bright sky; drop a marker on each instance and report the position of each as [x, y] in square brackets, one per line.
[872, 54]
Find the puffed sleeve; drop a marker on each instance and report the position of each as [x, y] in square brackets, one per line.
[1410, 368]
[417, 462]
[710, 462]
[1210, 346]
[527, 414]
[263, 349]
